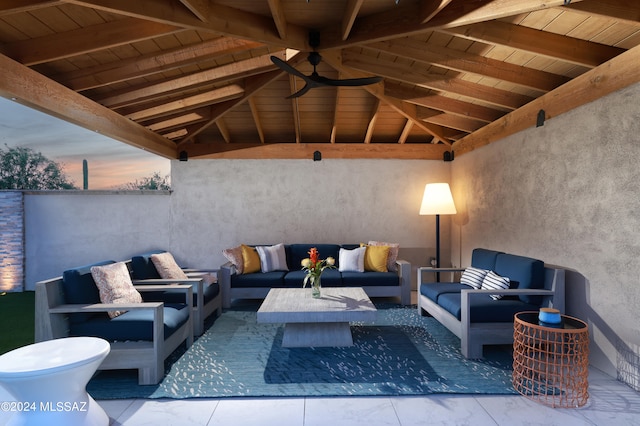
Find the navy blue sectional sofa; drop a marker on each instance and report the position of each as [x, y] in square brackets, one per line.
[257, 285]
[474, 316]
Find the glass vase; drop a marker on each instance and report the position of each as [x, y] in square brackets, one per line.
[315, 286]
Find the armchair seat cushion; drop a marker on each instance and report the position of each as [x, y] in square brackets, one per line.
[259, 279]
[368, 279]
[484, 308]
[133, 325]
[434, 290]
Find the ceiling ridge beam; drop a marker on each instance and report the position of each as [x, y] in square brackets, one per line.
[616, 74]
[84, 40]
[10, 7]
[200, 8]
[38, 92]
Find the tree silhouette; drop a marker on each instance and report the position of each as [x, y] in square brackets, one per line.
[155, 181]
[24, 168]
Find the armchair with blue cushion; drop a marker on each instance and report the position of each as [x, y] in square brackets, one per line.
[206, 290]
[140, 338]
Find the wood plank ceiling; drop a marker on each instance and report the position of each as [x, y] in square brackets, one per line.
[195, 76]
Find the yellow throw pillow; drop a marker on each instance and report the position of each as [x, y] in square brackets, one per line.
[375, 258]
[251, 260]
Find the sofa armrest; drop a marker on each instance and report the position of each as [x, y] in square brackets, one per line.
[404, 273]
[224, 279]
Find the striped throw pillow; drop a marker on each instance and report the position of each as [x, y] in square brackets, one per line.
[272, 258]
[473, 277]
[494, 281]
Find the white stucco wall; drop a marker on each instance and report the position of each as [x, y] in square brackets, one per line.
[567, 193]
[219, 204]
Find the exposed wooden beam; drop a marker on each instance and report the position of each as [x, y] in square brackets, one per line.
[35, 91]
[430, 8]
[458, 60]
[416, 75]
[84, 40]
[221, 19]
[221, 74]
[256, 118]
[623, 10]
[350, 14]
[277, 12]
[616, 74]
[200, 8]
[407, 19]
[9, 7]
[467, 125]
[233, 91]
[336, 111]
[295, 109]
[306, 150]
[372, 121]
[178, 120]
[406, 130]
[555, 46]
[224, 129]
[114, 72]
[433, 100]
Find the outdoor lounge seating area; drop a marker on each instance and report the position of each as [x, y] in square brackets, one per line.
[144, 323]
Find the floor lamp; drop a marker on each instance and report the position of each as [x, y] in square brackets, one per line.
[437, 200]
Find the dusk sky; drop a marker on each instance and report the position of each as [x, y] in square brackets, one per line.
[111, 163]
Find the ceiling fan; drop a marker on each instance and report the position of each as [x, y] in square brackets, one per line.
[316, 80]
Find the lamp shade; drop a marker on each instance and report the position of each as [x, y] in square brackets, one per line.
[437, 199]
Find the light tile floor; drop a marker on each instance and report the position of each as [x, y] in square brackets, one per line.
[610, 403]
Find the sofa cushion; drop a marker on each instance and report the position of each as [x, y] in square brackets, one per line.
[375, 258]
[272, 258]
[80, 288]
[267, 279]
[493, 281]
[528, 272]
[351, 260]
[298, 252]
[483, 308]
[132, 325]
[484, 258]
[142, 268]
[473, 277]
[434, 290]
[234, 255]
[369, 279]
[330, 278]
[115, 286]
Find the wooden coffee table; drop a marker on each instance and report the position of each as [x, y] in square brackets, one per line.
[319, 322]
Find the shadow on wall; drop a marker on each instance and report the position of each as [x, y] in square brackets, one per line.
[578, 304]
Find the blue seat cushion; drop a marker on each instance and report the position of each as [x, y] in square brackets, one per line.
[80, 288]
[484, 258]
[484, 308]
[528, 272]
[330, 278]
[132, 325]
[259, 279]
[434, 290]
[142, 268]
[297, 252]
[370, 279]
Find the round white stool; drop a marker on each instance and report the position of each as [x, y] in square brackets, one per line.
[48, 381]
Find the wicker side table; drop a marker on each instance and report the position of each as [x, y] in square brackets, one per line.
[551, 362]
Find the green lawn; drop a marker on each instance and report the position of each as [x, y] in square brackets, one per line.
[16, 320]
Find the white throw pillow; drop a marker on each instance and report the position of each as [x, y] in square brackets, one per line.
[494, 281]
[351, 260]
[272, 258]
[115, 286]
[473, 277]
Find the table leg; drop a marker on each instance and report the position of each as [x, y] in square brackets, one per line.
[320, 334]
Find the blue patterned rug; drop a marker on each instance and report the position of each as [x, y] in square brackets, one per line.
[401, 353]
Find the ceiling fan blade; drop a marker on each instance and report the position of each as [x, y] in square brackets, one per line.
[350, 81]
[302, 91]
[286, 67]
